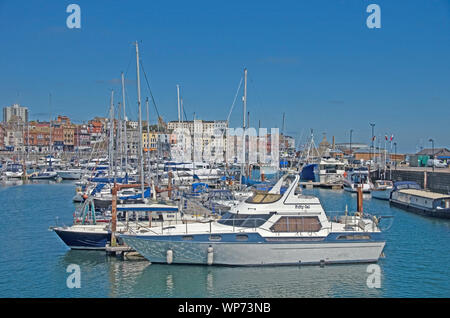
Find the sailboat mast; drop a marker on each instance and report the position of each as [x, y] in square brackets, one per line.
[148, 138]
[111, 134]
[125, 123]
[141, 167]
[178, 98]
[244, 99]
[50, 106]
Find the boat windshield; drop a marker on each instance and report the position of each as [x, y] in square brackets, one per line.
[244, 220]
[260, 198]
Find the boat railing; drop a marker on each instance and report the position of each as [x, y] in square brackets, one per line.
[352, 223]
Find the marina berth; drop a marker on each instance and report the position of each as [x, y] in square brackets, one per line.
[409, 196]
[266, 229]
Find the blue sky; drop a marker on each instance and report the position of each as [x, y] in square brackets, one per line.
[314, 60]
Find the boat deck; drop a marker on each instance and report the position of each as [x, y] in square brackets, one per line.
[425, 194]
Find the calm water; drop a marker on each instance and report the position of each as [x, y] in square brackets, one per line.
[33, 260]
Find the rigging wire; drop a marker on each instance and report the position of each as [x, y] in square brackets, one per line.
[234, 101]
[148, 86]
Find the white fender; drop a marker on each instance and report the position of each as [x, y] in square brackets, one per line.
[210, 257]
[169, 256]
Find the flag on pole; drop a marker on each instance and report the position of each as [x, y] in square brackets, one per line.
[392, 137]
[373, 138]
[386, 137]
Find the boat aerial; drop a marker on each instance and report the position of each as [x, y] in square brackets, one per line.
[266, 229]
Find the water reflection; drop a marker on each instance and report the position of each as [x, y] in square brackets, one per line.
[140, 279]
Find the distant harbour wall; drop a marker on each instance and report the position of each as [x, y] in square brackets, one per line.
[437, 181]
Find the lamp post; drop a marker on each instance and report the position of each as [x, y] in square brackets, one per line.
[373, 150]
[395, 155]
[351, 132]
[432, 150]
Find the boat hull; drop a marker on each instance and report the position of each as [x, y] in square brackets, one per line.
[83, 240]
[381, 194]
[70, 175]
[251, 254]
[442, 213]
[349, 188]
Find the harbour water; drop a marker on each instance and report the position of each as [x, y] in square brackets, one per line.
[33, 260]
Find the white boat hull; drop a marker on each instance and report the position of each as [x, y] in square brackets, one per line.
[366, 188]
[70, 175]
[13, 175]
[257, 254]
[384, 194]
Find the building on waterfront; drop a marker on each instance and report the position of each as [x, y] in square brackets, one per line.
[2, 137]
[37, 136]
[82, 138]
[420, 158]
[378, 155]
[287, 144]
[150, 140]
[133, 141]
[207, 137]
[15, 113]
[348, 148]
[96, 130]
[133, 124]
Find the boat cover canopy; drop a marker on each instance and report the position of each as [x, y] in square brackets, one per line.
[406, 185]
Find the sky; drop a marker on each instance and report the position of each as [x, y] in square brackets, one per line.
[315, 61]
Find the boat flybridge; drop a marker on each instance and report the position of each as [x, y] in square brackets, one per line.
[266, 229]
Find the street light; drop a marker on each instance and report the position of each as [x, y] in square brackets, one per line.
[395, 155]
[351, 131]
[432, 150]
[373, 150]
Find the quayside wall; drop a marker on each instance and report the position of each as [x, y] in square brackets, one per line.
[437, 181]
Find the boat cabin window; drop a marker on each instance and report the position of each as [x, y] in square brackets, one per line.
[297, 224]
[359, 178]
[215, 238]
[445, 204]
[241, 237]
[354, 237]
[244, 220]
[260, 198]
